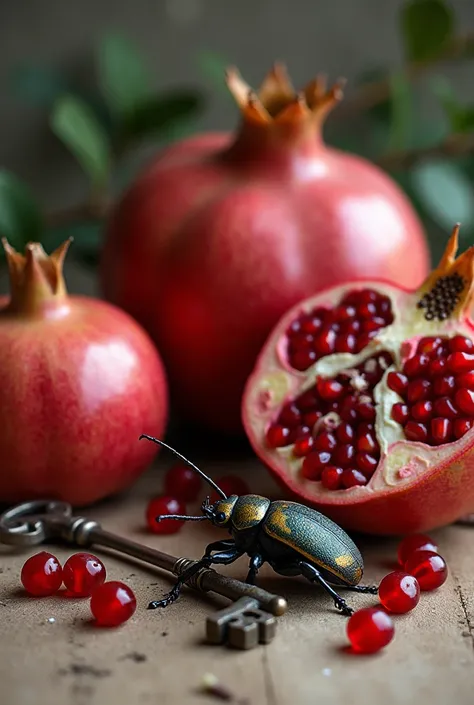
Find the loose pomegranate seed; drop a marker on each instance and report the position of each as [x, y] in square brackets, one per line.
[400, 413]
[325, 441]
[464, 400]
[416, 431]
[329, 389]
[278, 436]
[366, 443]
[460, 344]
[460, 362]
[399, 592]
[343, 455]
[303, 446]
[397, 382]
[303, 359]
[427, 346]
[230, 485]
[422, 411]
[352, 478]
[369, 630]
[290, 416]
[417, 390]
[183, 483]
[443, 386]
[314, 464]
[412, 543]
[445, 407]
[441, 430]
[428, 567]
[416, 365]
[112, 603]
[331, 477]
[462, 426]
[466, 380]
[164, 505]
[42, 574]
[345, 433]
[366, 463]
[82, 573]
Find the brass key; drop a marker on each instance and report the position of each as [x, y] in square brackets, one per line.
[248, 621]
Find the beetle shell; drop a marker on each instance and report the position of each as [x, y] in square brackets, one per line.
[249, 511]
[315, 538]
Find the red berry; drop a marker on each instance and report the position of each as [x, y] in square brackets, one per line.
[83, 572]
[278, 436]
[183, 483]
[369, 630]
[428, 567]
[399, 592]
[42, 574]
[164, 505]
[230, 484]
[412, 543]
[112, 604]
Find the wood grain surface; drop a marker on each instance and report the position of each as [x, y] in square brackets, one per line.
[160, 657]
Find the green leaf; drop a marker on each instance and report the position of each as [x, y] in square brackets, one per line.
[160, 114]
[213, 67]
[74, 122]
[123, 76]
[401, 111]
[39, 85]
[426, 26]
[20, 219]
[445, 192]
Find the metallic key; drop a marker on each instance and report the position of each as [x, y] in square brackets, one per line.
[249, 620]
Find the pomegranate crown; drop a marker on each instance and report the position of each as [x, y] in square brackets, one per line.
[276, 101]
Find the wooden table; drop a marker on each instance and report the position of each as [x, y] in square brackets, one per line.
[159, 657]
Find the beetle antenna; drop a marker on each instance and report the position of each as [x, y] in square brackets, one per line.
[181, 517]
[191, 465]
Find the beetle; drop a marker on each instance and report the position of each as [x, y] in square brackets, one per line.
[292, 538]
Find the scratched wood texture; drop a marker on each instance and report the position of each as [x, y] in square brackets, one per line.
[160, 657]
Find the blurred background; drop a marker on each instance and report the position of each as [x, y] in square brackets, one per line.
[415, 57]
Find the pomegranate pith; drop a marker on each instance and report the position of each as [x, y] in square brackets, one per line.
[390, 448]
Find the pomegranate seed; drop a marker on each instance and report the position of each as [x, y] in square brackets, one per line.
[400, 413]
[365, 427]
[307, 401]
[366, 310]
[441, 430]
[301, 342]
[181, 482]
[112, 603]
[303, 446]
[366, 463]
[345, 343]
[329, 389]
[353, 478]
[325, 441]
[311, 325]
[445, 407]
[164, 505]
[412, 543]
[460, 362]
[418, 389]
[347, 410]
[365, 296]
[397, 382]
[384, 305]
[370, 325]
[438, 367]
[416, 431]
[345, 433]
[366, 443]
[422, 410]
[428, 567]
[293, 328]
[461, 426]
[363, 340]
[343, 313]
[399, 592]
[290, 416]
[427, 346]
[324, 343]
[416, 365]
[82, 573]
[460, 344]
[464, 399]
[42, 574]
[369, 630]
[278, 436]
[366, 411]
[443, 386]
[331, 477]
[350, 327]
[299, 433]
[314, 464]
[303, 359]
[343, 455]
[466, 380]
[311, 417]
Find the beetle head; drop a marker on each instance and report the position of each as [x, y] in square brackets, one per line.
[221, 511]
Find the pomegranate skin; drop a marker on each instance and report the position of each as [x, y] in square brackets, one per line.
[221, 235]
[78, 385]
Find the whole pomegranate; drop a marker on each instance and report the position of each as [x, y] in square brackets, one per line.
[362, 401]
[79, 382]
[222, 234]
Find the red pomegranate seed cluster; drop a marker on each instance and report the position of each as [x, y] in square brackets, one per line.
[331, 426]
[112, 603]
[437, 388]
[346, 328]
[370, 629]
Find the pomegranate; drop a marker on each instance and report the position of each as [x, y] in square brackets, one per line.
[222, 234]
[362, 401]
[79, 382]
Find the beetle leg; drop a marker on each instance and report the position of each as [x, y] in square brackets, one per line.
[255, 564]
[223, 558]
[224, 545]
[372, 589]
[314, 576]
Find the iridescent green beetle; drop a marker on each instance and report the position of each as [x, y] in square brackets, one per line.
[292, 538]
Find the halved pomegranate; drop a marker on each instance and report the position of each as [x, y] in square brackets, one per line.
[362, 401]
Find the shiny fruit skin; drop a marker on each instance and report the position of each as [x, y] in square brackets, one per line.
[79, 383]
[234, 233]
[399, 592]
